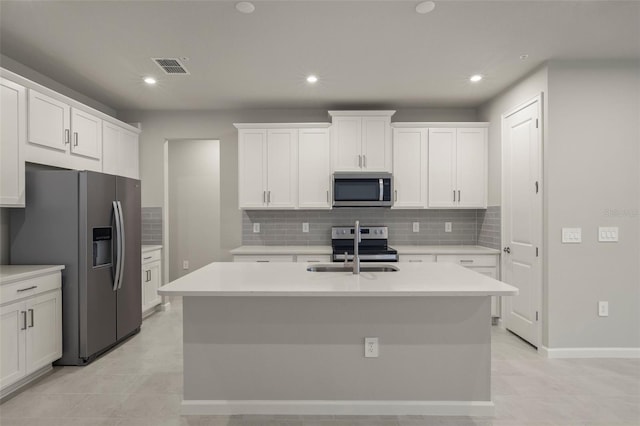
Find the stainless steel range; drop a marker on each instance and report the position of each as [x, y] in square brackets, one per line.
[373, 246]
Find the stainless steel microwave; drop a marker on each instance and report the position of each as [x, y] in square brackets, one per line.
[362, 189]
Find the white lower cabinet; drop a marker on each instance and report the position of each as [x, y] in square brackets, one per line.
[151, 279]
[263, 258]
[313, 258]
[416, 258]
[30, 328]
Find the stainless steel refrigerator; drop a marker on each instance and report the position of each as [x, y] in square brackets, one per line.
[90, 222]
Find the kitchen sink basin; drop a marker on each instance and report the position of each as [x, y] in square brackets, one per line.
[341, 268]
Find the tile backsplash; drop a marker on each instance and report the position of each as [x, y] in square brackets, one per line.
[284, 227]
[151, 225]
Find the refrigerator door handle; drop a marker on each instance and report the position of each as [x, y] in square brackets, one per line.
[122, 244]
[116, 277]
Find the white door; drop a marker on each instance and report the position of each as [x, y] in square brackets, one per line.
[314, 169]
[410, 168]
[376, 144]
[87, 134]
[471, 168]
[252, 168]
[12, 343]
[44, 330]
[347, 143]
[442, 167]
[128, 154]
[49, 121]
[522, 218]
[13, 128]
[282, 167]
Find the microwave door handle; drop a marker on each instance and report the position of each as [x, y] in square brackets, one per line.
[380, 181]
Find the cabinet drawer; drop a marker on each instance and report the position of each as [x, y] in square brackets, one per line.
[262, 258]
[151, 256]
[309, 258]
[29, 287]
[416, 258]
[470, 260]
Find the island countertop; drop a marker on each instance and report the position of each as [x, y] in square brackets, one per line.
[293, 279]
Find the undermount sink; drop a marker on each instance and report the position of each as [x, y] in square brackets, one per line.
[348, 268]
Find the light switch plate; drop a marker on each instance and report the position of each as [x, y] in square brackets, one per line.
[256, 227]
[608, 234]
[305, 226]
[572, 235]
[447, 227]
[416, 226]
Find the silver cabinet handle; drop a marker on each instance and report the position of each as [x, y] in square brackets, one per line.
[31, 315]
[262, 261]
[415, 260]
[264, 197]
[454, 195]
[458, 195]
[26, 289]
[24, 320]
[466, 260]
[147, 258]
[66, 136]
[327, 196]
[364, 161]
[75, 138]
[359, 160]
[268, 196]
[395, 195]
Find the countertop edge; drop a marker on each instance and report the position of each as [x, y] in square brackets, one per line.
[38, 270]
[151, 247]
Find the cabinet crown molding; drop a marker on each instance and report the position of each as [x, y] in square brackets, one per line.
[440, 124]
[366, 113]
[281, 125]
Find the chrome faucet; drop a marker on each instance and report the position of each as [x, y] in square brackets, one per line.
[356, 243]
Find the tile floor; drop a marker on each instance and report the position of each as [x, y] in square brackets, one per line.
[140, 384]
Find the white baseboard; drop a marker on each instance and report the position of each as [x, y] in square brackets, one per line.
[318, 408]
[9, 391]
[589, 352]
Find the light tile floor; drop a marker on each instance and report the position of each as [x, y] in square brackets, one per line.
[140, 384]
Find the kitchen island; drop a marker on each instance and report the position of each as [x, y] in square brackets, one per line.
[277, 339]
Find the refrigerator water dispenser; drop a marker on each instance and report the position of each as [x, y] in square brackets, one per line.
[102, 249]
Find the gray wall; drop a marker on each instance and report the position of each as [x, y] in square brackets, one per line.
[159, 126]
[194, 204]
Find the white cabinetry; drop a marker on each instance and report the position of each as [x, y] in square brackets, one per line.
[120, 155]
[151, 279]
[410, 147]
[457, 168]
[30, 325]
[13, 128]
[361, 140]
[87, 134]
[314, 169]
[49, 122]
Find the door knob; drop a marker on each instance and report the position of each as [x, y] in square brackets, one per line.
[506, 250]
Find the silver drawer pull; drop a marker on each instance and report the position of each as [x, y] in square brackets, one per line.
[466, 261]
[147, 258]
[27, 289]
[415, 260]
[262, 261]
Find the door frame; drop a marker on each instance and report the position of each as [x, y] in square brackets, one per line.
[540, 242]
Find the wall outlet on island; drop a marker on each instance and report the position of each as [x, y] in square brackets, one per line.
[305, 226]
[371, 347]
[603, 308]
[447, 227]
[416, 226]
[256, 227]
[185, 264]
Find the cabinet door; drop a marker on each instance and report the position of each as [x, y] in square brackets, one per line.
[471, 168]
[150, 285]
[442, 173]
[376, 144]
[110, 148]
[49, 121]
[410, 168]
[44, 330]
[282, 168]
[12, 343]
[87, 134]
[252, 168]
[128, 154]
[13, 134]
[314, 169]
[346, 140]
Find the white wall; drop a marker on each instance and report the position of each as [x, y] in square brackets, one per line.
[194, 204]
[593, 169]
[159, 126]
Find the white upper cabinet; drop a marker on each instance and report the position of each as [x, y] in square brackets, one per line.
[457, 168]
[410, 167]
[119, 151]
[361, 140]
[314, 169]
[13, 128]
[267, 168]
[49, 121]
[87, 134]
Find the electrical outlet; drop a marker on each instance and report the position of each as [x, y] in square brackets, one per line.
[416, 226]
[305, 226]
[371, 347]
[256, 228]
[603, 308]
[447, 227]
[185, 264]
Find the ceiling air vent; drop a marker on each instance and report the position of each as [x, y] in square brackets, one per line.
[171, 66]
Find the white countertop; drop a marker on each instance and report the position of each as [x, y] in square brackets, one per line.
[12, 273]
[402, 249]
[147, 248]
[292, 279]
[292, 250]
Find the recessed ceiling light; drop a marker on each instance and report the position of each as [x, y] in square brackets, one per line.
[523, 57]
[245, 7]
[475, 78]
[312, 79]
[150, 80]
[425, 7]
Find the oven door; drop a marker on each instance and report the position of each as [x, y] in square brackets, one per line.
[362, 190]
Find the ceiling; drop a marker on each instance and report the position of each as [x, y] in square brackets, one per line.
[365, 53]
